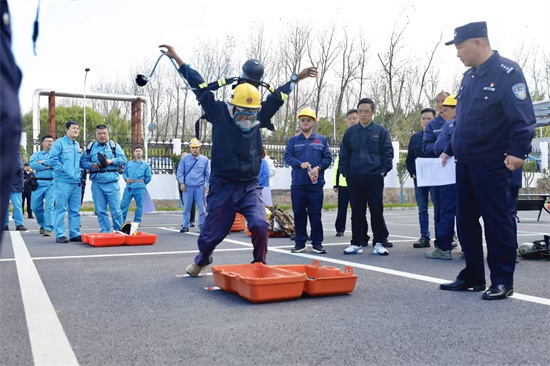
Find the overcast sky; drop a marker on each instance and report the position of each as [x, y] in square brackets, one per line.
[111, 36]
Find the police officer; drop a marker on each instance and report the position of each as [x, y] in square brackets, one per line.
[235, 164]
[10, 114]
[445, 197]
[309, 156]
[27, 193]
[137, 174]
[194, 179]
[65, 161]
[102, 158]
[421, 193]
[366, 154]
[45, 190]
[493, 130]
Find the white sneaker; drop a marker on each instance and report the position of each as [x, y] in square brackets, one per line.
[353, 249]
[379, 249]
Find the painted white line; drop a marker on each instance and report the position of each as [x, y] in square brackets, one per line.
[49, 343]
[414, 276]
[7, 260]
[200, 275]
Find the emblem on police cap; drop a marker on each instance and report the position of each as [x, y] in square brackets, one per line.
[520, 91]
[249, 100]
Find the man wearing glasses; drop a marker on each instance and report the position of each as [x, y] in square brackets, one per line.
[366, 155]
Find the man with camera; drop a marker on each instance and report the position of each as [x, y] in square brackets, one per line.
[103, 157]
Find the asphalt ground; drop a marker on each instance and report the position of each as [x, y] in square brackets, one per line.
[74, 303]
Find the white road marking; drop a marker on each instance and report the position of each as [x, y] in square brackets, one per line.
[49, 343]
[414, 276]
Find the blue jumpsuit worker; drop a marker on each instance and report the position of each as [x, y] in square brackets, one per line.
[235, 164]
[194, 179]
[105, 187]
[16, 192]
[446, 194]
[366, 155]
[45, 192]
[493, 131]
[307, 152]
[10, 114]
[65, 161]
[421, 193]
[137, 174]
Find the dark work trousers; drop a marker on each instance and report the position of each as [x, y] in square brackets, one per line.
[365, 190]
[26, 196]
[225, 198]
[307, 201]
[514, 193]
[343, 202]
[444, 212]
[193, 209]
[484, 190]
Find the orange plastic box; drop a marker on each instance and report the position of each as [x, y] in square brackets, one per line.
[259, 283]
[140, 239]
[106, 239]
[85, 238]
[322, 281]
[239, 224]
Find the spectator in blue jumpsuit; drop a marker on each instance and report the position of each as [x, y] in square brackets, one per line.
[309, 156]
[45, 191]
[421, 193]
[137, 174]
[366, 155]
[236, 160]
[446, 194]
[65, 161]
[10, 114]
[16, 194]
[194, 179]
[493, 131]
[105, 187]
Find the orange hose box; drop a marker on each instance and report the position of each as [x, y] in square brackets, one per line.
[85, 238]
[140, 239]
[259, 283]
[106, 239]
[322, 281]
[239, 224]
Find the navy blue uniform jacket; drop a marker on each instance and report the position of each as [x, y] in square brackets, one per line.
[415, 151]
[313, 150]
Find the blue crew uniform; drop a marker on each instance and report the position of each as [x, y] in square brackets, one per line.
[421, 193]
[65, 160]
[140, 174]
[16, 195]
[105, 187]
[235, 164]
[366, 155]
[495, 118]
[194, 172]
[45, 191]
[445, 195]
[10, 114]
[307, 198]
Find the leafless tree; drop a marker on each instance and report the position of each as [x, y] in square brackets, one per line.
[348, 68]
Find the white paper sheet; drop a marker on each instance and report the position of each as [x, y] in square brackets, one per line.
[429, 172]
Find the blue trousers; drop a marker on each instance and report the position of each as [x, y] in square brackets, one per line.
[444, 212]
[225, 198]
[484, 190]
[67, 196]
[16, 199]
[196, 194]
[421, 194]
[307, 201]
[44, 218]
[137, 195]
[103, 194]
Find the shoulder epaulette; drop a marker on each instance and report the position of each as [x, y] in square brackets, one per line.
[507, 69]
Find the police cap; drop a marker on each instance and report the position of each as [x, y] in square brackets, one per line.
[470, 30]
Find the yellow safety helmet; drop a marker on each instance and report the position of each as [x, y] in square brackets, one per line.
[450, 101]
[307, 112]
[246, 96]
[194, 142]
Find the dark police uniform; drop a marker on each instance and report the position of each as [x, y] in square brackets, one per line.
[307, 198]
[27, 194]
[10, 115]
[495, 117]
[366, 154]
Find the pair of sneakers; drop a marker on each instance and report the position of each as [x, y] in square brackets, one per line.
[378, 249]
[316, 248]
